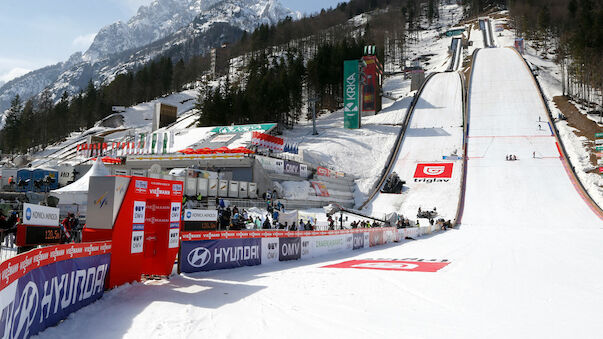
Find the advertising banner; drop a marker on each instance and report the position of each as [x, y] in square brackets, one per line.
[351, 94]
[376, 238]
[320, 189]
[44, 286]
[325, 172]
[291, 167]
[40, 215]
[270, 250]
[243, 128]
[437, 170]
[208, 255]
[289, 248]
[303, 170]
[358, 241]
[329, 244]
[200, 220]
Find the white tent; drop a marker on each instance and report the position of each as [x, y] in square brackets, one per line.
[77, 192]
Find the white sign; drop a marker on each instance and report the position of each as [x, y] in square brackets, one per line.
[175, 212]
[40, 215]
[139, 211]
[200, 215]
[174, 237]
[223, 138]
[137, 238]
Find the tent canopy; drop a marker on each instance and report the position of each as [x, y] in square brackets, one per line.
[77, 192]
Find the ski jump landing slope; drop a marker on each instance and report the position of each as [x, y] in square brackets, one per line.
[435, 130]
[507, 116]
[525, 263]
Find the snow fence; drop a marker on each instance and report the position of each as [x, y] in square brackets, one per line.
[208, 251]
[43, 286]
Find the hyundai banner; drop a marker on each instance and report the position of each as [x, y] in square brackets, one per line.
[208, 255]
[48, 294]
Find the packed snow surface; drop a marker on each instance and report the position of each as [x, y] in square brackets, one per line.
[435, 130]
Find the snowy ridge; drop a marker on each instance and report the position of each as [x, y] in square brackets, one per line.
[158, 29]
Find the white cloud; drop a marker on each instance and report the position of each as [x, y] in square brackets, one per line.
[82, 42]
[13, 73]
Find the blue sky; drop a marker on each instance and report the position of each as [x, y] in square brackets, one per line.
[36, 33]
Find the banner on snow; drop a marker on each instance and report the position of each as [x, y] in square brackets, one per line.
[208, 255]
[48, 293]
[289, 248]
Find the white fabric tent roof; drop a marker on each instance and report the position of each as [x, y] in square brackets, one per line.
[77, 192]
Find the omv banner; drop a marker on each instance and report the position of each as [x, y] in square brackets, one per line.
[42, 287]
[208, 255]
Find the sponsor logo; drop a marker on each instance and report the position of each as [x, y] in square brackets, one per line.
[199, 257]
[272, 252]
[188, 214]
[289, 248]
[102, 201]
[28, 214]
[358, 241]
[158, 191]
[177, 188]
[219, 254]
[141, 186]
[391, 265]
[440, 170]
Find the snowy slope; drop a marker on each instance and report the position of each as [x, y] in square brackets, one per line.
[435, 130]
[505, 108]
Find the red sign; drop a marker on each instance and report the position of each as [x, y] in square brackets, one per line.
[325, 172]
[391, 265]
[438, 170]
[601, 169]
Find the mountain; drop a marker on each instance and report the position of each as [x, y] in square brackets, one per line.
[174, 28]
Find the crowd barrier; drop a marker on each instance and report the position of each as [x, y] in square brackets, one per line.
[208, 251]
[41, 287]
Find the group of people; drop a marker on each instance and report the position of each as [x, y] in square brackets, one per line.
[233, 218]
[510, 157]
[364, 224]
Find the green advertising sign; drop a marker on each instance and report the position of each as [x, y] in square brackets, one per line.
[243, 128]
[351, 102]
[599, 148]
[598, 135]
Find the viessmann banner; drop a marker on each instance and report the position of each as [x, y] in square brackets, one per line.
[351, 106]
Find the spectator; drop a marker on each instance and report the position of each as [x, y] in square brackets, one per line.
[266, 224]
[66, 228]
[275, 215]
[258, 223]
[302, 226]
